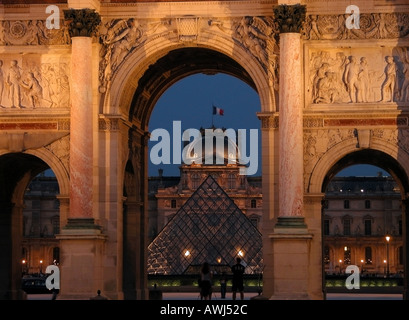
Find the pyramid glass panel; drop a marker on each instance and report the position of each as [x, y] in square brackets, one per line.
[208, 227]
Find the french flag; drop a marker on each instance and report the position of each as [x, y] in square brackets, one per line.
[218, 111]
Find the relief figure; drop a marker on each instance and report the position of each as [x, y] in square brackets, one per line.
[404, 91]
[34, 91]
[1, 83]
[351, 78]
[389, 84]
[13, 81]
[363, 81]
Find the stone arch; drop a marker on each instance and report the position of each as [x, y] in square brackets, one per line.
[228, 57]
[393, 159]
[16, 171]
[145, 74]
[381, 153]
[55, 164]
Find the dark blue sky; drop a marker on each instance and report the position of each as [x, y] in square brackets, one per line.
[190, 101]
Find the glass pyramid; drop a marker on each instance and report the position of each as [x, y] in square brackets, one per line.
[208, 227]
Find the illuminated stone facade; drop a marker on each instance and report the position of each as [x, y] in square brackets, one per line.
[359, 213]
[78, 100]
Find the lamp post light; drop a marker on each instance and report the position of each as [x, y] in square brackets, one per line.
[384, 268]
[362, 266]
[387, 255]
[23, 263]
[41, 266]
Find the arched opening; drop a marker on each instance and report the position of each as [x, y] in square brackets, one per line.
[363, 222]
[41, 223]
[177, 65]
[16, 172]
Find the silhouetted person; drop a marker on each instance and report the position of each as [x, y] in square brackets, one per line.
[223, 284]
[205, 282]
[98, 296]
[238, 272]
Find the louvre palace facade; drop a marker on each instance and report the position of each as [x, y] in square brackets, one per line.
[79, 80]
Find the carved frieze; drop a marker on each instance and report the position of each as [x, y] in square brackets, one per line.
[359, 75]
[119, 37]
[26, 83]
[108, 124]
[268, 121]
[188, 28]
[32, 32]
[371, 26]
[259, 36]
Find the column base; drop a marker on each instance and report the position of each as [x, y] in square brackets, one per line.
[80, 226]
[291, 259]
[290, 225]
[290, 296]
[82, 254]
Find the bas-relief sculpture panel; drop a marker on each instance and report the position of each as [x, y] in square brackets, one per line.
[374, 69]
[34, 81]
[28, 80]
[357, 75]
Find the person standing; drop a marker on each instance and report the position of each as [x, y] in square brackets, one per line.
[238, 272]
[223, 285]
[205, 282]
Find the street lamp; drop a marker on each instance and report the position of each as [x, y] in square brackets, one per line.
[41, 266]
[23, 263]
[387, 255]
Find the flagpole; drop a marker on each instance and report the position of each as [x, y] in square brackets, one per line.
[212, 116]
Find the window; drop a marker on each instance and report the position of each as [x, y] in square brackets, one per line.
[326, 255]
[400, 255]
[231, 181]
[36, 204]
[368, 255]
[368, 227]
[367, 204]
[253, 203]
[56, 224]
[347, 227]
[326, 227]
[254, 221]
[173, 203]
[56, 255]
[347, 255]
[346, 204]
[195, 181]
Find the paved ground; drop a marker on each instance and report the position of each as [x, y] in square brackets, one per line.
[248, 296]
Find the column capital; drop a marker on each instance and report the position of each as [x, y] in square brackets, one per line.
[290, 18]
[82, 22]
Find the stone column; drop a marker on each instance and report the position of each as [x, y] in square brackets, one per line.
[269, 161]
[82, 25]
[82, 241]
[291, 190]
[291, 242]
[405, 229]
